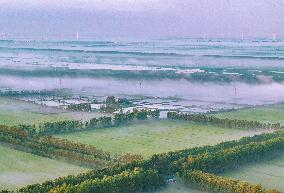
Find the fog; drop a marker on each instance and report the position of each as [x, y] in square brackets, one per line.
[234, 93]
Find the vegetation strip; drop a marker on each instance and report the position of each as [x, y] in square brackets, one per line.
[44, 93]
[218, 184]
[229, 123]
[234, 157]
[137, 180]
[218, 75]
[52, 147]
[68, 126]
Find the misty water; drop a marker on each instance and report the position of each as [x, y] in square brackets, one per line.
[172, 52]
[181, 55]
[198, 97]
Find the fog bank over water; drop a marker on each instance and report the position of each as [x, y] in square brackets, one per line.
[233, 93]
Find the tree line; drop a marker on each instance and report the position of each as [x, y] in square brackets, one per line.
[52, 147]
[53, 92]
[137, 180]
[229, 123]
[46, 148]
[167, 163]
[13, 135]
[248, 149]
[234, 157]
[218, 184]
[80, 107]
[66, 126]
[218, 76]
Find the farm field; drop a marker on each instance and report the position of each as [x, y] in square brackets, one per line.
[19, 168]
[150, 137]
[271, 113]
[268, 173]
[15, 112]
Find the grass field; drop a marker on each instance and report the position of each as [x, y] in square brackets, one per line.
[18, 168]
[271, 113]
[269, 173]
[151, 137]
[14, 112]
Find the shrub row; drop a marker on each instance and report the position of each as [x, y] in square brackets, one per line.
[13, 93]
[123, 118]
[166, 162]
[80, 107]
[68, 145]
[56, 148]
[101, 122]
[53, 147]
[229, 123]
[60, 127]
[36, 146]
[218, 184]
[137, 180]
[13, 134]
[230, 158]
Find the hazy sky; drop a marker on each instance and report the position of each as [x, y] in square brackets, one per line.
[141, 18]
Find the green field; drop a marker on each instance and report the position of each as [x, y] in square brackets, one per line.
[271, 113]
[268, 173]
[15, 112]
[158, 136]
[18, 168]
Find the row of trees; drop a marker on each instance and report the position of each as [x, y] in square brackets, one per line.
[95, 123]
[53, 147]
[168, 163]
[218, 184]
[111, 105]
[13, 134]
[229, 123]
[60, 127]
[56, 148]
[124, 118]
[137, 180]
[217, 76]
[58, 143]
[80, 107]
[14, 93]
[101, 122]
[231, 158]
[38, 147]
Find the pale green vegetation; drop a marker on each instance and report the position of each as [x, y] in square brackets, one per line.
[15, 112]
[177, 188]
[150, 137]
[18, 168]
[268, 173]
[271, 113]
